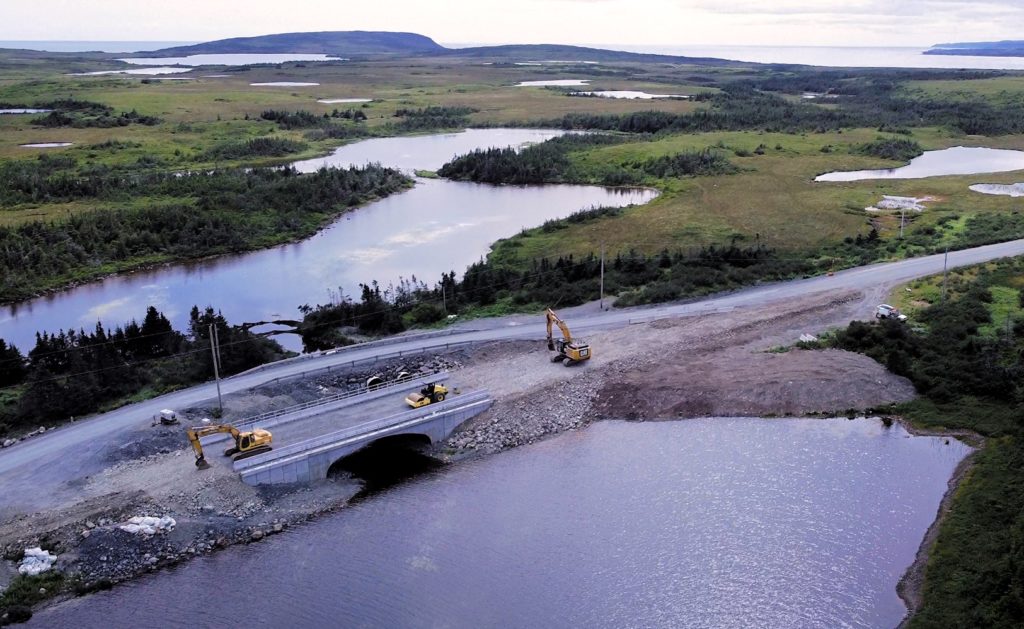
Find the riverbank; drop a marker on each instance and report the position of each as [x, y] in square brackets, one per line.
[300, 226]
[911, 585]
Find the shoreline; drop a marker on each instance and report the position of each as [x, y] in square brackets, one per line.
[910, 587]
[131, 269]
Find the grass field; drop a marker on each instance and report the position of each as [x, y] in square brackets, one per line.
[774, 195]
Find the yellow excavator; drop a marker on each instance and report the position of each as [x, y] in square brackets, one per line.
[570, 351]
[249, 443]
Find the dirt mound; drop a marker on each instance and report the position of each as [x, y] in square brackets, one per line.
[743, 383]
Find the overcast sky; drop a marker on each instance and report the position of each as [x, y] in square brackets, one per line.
[637, 22]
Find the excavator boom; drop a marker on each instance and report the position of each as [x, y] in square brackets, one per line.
[570, 351]
[246, 443]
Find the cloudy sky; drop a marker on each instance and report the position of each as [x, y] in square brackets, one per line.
[636, 22]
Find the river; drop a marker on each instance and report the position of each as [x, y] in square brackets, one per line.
[436, 227]
[700, 523]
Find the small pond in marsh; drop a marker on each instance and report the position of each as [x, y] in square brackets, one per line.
[959, 160]
[1011, 190]
[554, 83]
[628, 95]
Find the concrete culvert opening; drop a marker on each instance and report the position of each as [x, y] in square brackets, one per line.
[387, 462]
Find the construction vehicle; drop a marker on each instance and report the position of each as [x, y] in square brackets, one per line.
[427, 395]
[166, 417]
[570, 351]
[249, 443]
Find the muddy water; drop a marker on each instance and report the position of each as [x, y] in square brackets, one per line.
[436, 227]
[703, 523]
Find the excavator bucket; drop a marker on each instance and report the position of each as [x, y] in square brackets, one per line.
[202, 464]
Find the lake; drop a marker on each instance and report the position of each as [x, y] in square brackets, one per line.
[702, 523]
[436, 227]
[958, 160]
[228, 59]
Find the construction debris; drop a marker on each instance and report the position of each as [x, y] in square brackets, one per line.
[36, 560]
[145, 525]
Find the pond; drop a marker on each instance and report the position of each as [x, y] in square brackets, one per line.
[553, 82]
[46, 145]
[334, 101]
[702, 523]
[628, 94]
[24, 111]
[959, 160]
[137, 71]
[1011, 190]
[436, 227]
[228, 59]
[285, 84]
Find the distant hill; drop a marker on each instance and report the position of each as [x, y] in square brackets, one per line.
[1006, 48]
[337, 43]
[354, 44]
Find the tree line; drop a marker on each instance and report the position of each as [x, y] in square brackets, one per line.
[83, 114]
[742, 106]
[551, 162]
[218, 212]
[74, 373]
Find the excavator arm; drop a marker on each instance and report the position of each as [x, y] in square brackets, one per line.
[553, 319]
[571, 351]
[197, 433]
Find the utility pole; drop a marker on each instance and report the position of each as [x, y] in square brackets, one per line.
[602, 276]
[945, 273]
[215, 350]
[444, 298]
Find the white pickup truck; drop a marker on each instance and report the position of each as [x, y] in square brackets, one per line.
[885, 311]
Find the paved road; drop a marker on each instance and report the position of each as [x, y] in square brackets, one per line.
[74, 449]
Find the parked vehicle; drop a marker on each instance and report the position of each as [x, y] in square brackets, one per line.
[885, 311]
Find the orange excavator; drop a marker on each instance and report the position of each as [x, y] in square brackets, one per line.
[570, 351]
[249, 443]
